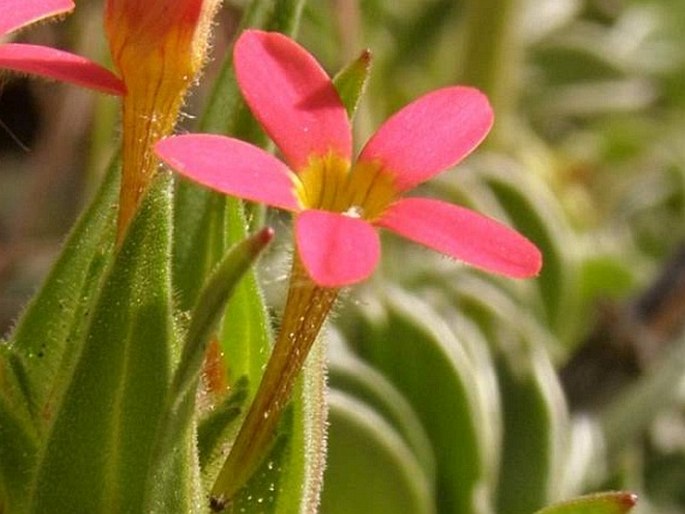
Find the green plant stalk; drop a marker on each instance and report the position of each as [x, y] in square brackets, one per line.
[493, 51]
[307, 307]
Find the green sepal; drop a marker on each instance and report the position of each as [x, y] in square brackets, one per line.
[599, 503]
[351, 82]
[97, 454]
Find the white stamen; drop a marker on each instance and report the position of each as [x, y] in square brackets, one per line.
[354, 211]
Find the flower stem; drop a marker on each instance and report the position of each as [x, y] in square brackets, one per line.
[306, 309]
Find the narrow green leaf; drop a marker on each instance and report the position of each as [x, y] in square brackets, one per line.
[245, 333]
[199, 240]
[45, 339]
[599, 503]
[178, 414]
[18, 447]
[97, 456]
[209, 309]
[351, 82]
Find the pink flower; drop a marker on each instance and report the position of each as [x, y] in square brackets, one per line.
[339, 204]
[46, 61]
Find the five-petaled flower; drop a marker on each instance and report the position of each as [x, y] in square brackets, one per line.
[339, 204]
[45, 61]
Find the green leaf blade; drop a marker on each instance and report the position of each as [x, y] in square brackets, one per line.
[114, 400]
[599, 503]
[44, 340]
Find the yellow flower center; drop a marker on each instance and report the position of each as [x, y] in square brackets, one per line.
[328, 183]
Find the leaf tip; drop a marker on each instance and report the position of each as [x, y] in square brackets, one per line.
[265, 236]
[628, 500]
[366, 57]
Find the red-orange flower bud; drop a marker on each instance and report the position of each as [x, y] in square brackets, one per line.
[158, 46]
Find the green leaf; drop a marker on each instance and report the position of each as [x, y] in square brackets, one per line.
[97, 456]
[213, 428]
[18, 447]
[46, 339]
[533, 212]
[245, 333]
[370, 468]
[352, 376]
[599, 503]
[534, 430]
[209, 309]
[351, 82]
[199, 239]
[178, 414]
[421, 356]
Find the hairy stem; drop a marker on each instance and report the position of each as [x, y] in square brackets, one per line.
[306, 309]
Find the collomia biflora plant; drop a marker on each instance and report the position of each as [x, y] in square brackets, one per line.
[143, 377]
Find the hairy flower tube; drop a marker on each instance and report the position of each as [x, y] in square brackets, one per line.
[158, 47]
[45, 61]
[338, 203]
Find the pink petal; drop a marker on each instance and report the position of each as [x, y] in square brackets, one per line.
[465, 235]
[19, 13]
[230, 166]
[337, 250]
[430, 134]
[292, 97]
[59, 65]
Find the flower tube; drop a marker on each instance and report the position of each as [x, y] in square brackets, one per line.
[158, 47]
